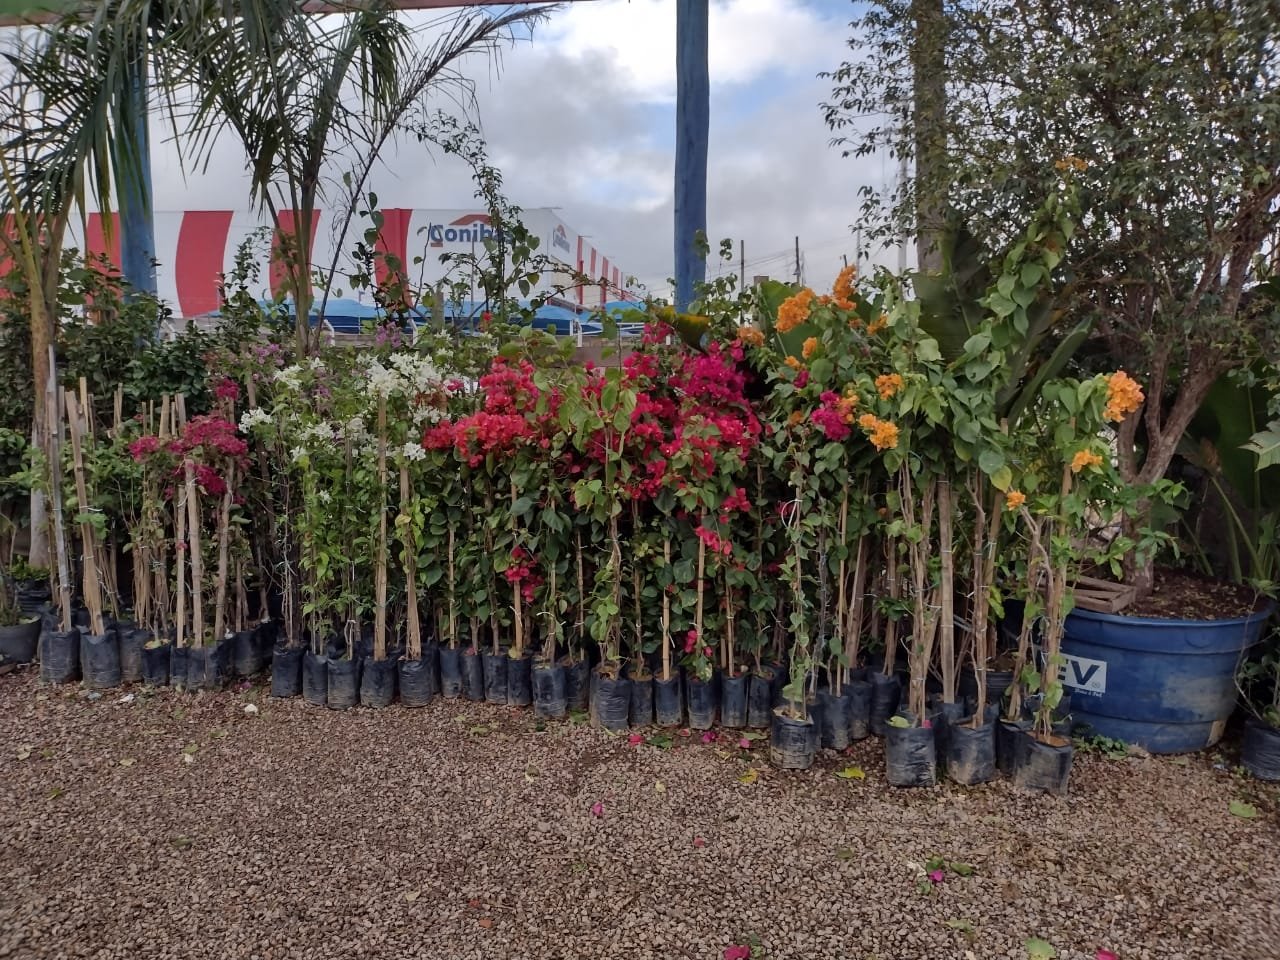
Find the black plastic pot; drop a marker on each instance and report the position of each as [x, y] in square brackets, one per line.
[19, 642]
[31, 596]
[733, 701]
[1260, 752]
[155, 664]
[264, 636]
[246, 653]
[910, 756]
[577, 684]
[760, 699]
[859, 692]
[781, 676]
[700, 699]
[450, 672]
[1009, 737]
[419, 679]
[668, 700]
[520, 679]
[131, 640]
[378, 682]
[179, 657]
[835, 717]
[943, 716]
[60, 656]
[792, 744]
[205, 667]
[315, 678]
[885, 693]
[1042, 767]
[472, 675]
[100, 660]
[495, 677]
[640, 711]
[813, 706]
[549, 699]
[971, 753]
[610, 700]
[344, 684]
[998, 681]
[286, 671]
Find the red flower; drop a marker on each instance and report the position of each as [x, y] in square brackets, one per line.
[737, 952]
[226, 389]
[144, 447]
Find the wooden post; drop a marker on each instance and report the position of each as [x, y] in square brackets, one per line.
[53, 441]
[224, 538]
[517, 648]
[666, 613]
[380, 562]
[88, 541]
[947, 639]
[197, 561]
[412, 626]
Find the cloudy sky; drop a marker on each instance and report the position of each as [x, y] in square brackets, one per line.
[582, 117]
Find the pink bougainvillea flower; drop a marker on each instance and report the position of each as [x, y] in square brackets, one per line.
[936, 877]
[738, 951]
[699, 842]
[744, 743]
[635, 739]
[597, 809]
[709, 737]
[1106, 955]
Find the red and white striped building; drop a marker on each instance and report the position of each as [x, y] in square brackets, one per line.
[194, 248]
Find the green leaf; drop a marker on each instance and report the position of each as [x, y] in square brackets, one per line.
[521, 506]
[1245, 811]
[821, 369]
[1038, 949]
[989, 461]
[851, 773]
[963, 869]
[1002, 479]
[899, 721]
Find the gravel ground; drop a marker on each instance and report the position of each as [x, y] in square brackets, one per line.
[181, 827]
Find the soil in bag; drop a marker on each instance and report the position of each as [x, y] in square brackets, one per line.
[495, 677]
[668, 700]
[179, 657]
[60, 656]
[472, 675]
[203, 669]
[859, 692]
[792, 745]
[417, 683]
[286, 671]
[450, 672]
[100, 660]
[611, 702]
[885, 692]
[264, 636]
[733, 701]
[19, 643]
[315, 678]
[835, 714]
[700, 700]
[1043, 767]
[641, 708]
[344, 684]
[1260, 752]
[760, 699]
[377, 682]
[943, 716]
[155, 663]
[520, 679]
[549, 698]
[971, 753]
[1010, 735]
[577, 684]
[910, 756]
[246, 653]
[131, 639]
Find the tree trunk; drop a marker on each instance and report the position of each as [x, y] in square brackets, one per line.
[929, 112]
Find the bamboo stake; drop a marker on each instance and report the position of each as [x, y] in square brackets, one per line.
[729, 633]
[839, 633]
[413, 628]
[666, 613]
[702, 566]
[582, 596]
[947, 640]
[453, 618]
[380, 566]
[196, 560]
[53, 439]
[88, 544]
[224, 537]
[517, 648]
[853, 628]
[895, 593]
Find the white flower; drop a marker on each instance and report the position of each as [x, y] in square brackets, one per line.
[354, 430]
[323, 496]
[319, 433]
[413, 451]
[316, 364]
[382, 382]
[253, 418]
[290, 377]
[298, 454]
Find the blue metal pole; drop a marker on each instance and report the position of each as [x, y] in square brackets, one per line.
[693, 112]
[137, 221]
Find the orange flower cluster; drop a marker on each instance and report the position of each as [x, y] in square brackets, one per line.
[888, 384]
[842, 289]
[1014, 499]
[794, 310]
[797, 417]
[846, 405]
[1124, 396]
[878, 324]
[793, 363]
[1070, 163]
[1085, 458]
[882, 434]
[752, 336]
[810, 347]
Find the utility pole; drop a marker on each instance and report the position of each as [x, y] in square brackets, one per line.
[742, 265]
[693, 109]
[797, 259]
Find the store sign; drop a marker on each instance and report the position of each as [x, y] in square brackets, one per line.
[468, 229]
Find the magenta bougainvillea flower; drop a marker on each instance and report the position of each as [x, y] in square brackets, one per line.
[635, 739]
[936, 877]
[739, 951]
[597, 809]
[1106, 955]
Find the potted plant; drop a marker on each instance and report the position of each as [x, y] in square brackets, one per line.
[19, 631]
[1259, 679]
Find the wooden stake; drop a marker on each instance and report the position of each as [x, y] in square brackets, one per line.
[88, 541]
[380, 562]
[224, 544]
[517, 648]
[666, 613]
[53, 441]
[947, 641]
[197, 561]
[837, 675]
[412, 628]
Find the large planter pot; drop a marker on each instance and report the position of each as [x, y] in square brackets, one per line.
[18, 643]
[1166, 685]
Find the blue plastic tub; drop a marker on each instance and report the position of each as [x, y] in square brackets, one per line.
[1166, 685]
